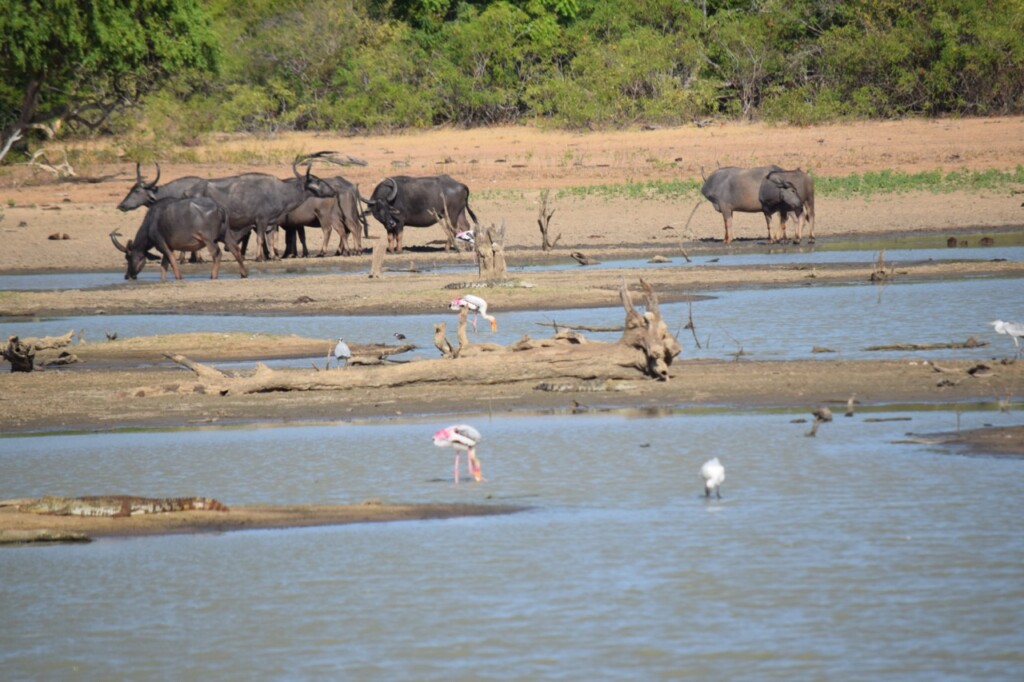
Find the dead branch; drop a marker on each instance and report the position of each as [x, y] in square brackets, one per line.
[972, 342]
[583, 259]
[544, 222]
[441, 341]
[60, 170]
[461, 333]
[51, 342]
[579, 327]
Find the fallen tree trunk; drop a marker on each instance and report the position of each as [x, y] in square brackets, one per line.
[561, 362]
[646, 348]
[972, 342]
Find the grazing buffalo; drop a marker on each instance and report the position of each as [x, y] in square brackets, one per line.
[419, 202]
[261, 201]
[792, 191]
[339, 214]
[187, 224]
[732, 189]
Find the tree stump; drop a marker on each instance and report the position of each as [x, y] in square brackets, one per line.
[377, 260]
[21, 356]
[490, 252]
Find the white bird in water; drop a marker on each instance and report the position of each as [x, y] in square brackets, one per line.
[342, 352]
[713, 473]
[475, 305]
[1014, 329]
[461, 438]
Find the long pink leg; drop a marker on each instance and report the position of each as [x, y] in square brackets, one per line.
[456, 467]
[474, 467]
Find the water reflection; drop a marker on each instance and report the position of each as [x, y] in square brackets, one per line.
[838, 557]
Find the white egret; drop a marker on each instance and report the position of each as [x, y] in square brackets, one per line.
[1014, 329]
[713, 473]
[342, 352]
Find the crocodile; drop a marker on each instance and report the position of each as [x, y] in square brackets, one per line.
[117, 505]
[587, 386]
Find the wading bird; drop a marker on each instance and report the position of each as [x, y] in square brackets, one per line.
[342, 352]
[713, 473]
[1014, 329]
[475, 305]
[461, 438]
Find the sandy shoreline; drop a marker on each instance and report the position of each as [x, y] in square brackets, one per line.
[24, 527]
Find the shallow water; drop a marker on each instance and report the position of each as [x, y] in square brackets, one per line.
[778, 323]
[775, 255]
[845, 556]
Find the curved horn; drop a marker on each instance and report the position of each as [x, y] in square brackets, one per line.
[394, 189]
[138, 174]
[152, 185]
[295, 170]
[120, 247]
[703, 177]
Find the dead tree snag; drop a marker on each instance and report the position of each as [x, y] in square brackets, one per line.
[544, 222]
[21, 356]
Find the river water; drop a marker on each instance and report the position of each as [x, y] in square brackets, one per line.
[845, 556]
[775, 324]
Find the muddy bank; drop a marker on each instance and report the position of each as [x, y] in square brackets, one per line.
[23, 527]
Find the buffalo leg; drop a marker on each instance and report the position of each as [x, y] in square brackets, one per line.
[231, 242]
[783, 218]
[727, 217]
[215, 256]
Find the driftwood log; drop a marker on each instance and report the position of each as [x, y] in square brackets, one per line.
[645, 349]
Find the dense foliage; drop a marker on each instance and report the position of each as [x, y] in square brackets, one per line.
[79, 61]
[381, 64]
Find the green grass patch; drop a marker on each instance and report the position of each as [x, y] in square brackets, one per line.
[855, 184]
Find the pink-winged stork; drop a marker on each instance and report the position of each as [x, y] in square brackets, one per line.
[475, 305]
[461, 438]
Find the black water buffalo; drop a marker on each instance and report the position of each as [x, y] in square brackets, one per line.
[145, 193]
[419, 202]
[790, 191]
[261, 201]
[173, 224]
[732, 189]
[339, 214]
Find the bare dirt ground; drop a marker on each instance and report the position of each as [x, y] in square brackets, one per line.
[506, 169]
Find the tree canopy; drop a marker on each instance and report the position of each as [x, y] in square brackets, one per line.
[357, 65]
[78, 61]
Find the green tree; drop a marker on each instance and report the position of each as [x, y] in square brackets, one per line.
[79, 61]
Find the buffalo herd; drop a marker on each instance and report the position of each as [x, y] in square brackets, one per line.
[190, 214]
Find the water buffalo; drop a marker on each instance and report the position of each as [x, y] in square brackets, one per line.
[261, 201]
[145, 193]
[732, 189]
[795, 189]
[173, 224]
[339, 214]
[419, 202]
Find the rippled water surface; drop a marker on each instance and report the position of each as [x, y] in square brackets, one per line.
[779, 324]
[844, 556]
